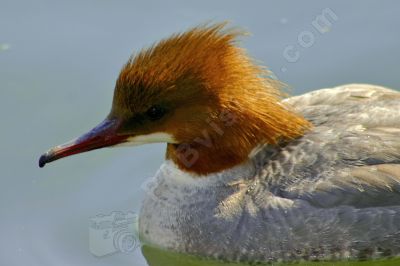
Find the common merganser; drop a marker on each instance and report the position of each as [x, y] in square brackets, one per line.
[249, 175]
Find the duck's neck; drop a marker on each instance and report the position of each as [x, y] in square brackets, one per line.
[230, 144]
[201, 159]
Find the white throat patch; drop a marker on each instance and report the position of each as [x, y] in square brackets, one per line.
[157, 137]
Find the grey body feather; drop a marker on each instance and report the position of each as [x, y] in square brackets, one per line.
[334, 193]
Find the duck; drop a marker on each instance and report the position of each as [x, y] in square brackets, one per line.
[251, 174]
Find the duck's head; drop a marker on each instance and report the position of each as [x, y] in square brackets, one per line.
[200, 93]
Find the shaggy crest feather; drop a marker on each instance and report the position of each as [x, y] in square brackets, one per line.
[204, 67]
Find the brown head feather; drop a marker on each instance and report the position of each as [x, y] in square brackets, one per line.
[220, 104]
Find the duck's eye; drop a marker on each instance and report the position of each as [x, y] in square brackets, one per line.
[155, 112]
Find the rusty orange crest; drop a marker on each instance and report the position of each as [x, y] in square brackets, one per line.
[204, 75]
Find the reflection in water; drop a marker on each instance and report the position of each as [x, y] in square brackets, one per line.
[157, 257]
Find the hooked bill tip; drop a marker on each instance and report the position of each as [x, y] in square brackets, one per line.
[42, 160]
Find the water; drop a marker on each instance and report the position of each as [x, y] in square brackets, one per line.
[157, 257]
[58, 65]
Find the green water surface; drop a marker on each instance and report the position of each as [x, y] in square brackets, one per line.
[157, 257]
